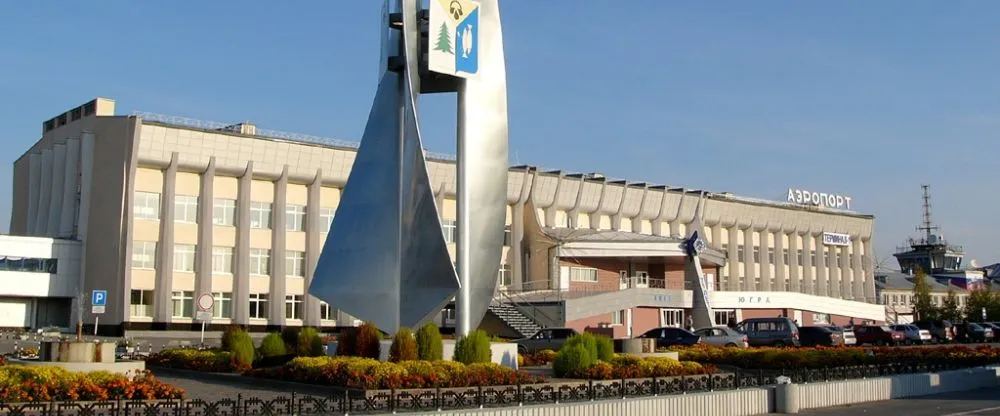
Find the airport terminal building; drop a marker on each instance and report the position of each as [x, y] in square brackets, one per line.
[167, 210]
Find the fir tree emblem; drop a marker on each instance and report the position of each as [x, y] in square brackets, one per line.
[444, 40]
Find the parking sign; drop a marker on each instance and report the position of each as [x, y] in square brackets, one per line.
[98, 301]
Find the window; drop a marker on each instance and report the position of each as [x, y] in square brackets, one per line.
[184, 258]
[812, 257]
[183, 304]
[258, 305]
[293, 307]
[784, 255]
[582, 274]
[28, 264]
[143, 255]
[756, 254]
[741, 254]
[895, 300]
[222, 260]
[725, 249]
[186, 208]
[223, 307]
[672, 317]
[146, 205]
[504, 275]
[325, 312]
[829, 257]
[295, 264]
[725, 317]
[618, 317]
[507, 236]
[260, 261]
[141, 303]
[260, 215]
[295, 218]
[326, 218]
[821, 318]
[224, 212]
[770, 255]
[448, 227]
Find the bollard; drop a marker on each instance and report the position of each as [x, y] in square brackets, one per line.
[786, 396]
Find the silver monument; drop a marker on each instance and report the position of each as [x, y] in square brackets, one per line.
[385, 259]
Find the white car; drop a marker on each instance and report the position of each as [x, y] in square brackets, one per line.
[849, 338]
[913, 334]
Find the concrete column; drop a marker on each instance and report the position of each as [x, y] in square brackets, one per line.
[58, 184]
[780, 275]
[165, 247]
[44, 195]
[733, 280]
[845, 274]
[314, 247]
[794, 261]
[34, 190]
[516, 252]
[857, 287]
[822, 287]
[834, 272]
[277, 288]
[765, 261]
[749, 271]
[68, 214]
[808, 283]
[868, 264]
[86, 179]
[203, 258]
[241, 270]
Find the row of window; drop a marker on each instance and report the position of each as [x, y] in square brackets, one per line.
[27, 264]
[832, 257]
[907, 300]
[182, 305]
[144, 256]
[147, 206]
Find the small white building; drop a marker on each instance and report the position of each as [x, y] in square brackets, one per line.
[40, 279]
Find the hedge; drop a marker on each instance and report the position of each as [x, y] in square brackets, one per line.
[821, 357]
[28, 383]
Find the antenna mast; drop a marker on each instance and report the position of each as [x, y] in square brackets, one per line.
[927, 226]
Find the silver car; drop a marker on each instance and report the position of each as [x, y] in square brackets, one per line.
[913, 334]
[722, 336]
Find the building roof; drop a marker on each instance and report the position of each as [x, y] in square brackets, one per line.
[894, 280]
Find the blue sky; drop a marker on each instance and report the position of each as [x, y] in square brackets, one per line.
[868, 99]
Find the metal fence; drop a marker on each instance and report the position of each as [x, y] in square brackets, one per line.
[440, 399]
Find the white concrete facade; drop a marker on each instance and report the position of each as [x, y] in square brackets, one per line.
[41, 276]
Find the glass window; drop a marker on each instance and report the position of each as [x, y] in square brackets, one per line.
[184, 255]
[325, 311]
[448, 227]
[146, 205]
[260, 215]
[143, 255]
[258, 305]
[141, 303]
[223, 307]
[507, 236]
[741, 253]
[295, 218]
[295, 264]
[812, 258]
[222, 260]
[784, 255]
[583, 274]
[183, 304]
[224, 212]
[504, 275]
[293, 307]
[770, 255]
[618, 318]
[326, 218]
[28, 264]
[185, 208]
[756, 254]
[260, 261]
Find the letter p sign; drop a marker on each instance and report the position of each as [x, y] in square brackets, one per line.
[99, 298]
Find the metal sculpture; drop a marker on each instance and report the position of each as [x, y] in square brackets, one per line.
[385, 259]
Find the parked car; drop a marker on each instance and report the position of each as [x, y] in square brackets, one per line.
[942, 331]
[827, 336]
[670, 336]
[848, 333]
[913, 334]
[878, 335]
[722, 336]
[972, 332]
[994, 326]
[545, 339]
[776, 332]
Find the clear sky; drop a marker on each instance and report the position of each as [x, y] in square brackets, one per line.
[867, 99]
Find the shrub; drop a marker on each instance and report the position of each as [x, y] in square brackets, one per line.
[605, 348]
[228, 334]
[821, 357]
[586, 340]
[346, 342]
[290, 336]
[404, 346]
[309, 343]
[474, 348]
[242, 349]
[272, 345]
[572, 360]
[214, 361]
[23, 383]
[429, 345]
[366, 342]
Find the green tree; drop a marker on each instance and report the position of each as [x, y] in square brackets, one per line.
[979, 299]
[444, 40]
[950, 309]
[923, 308]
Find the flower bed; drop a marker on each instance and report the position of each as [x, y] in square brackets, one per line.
[215, 361]
[631, 366]
[820, 357]
[22, 383]
[538, 359]
[369, 374]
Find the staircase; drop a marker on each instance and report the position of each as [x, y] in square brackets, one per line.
[513, 317]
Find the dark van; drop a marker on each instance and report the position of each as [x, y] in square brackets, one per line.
[774, 332]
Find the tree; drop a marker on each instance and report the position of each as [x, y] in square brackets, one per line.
[923, 308]
[950, 310]
[979, 299]
[444, 40]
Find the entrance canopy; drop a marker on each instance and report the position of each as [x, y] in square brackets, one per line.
[643, 248]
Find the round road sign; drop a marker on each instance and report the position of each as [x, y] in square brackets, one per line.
[205, 302]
